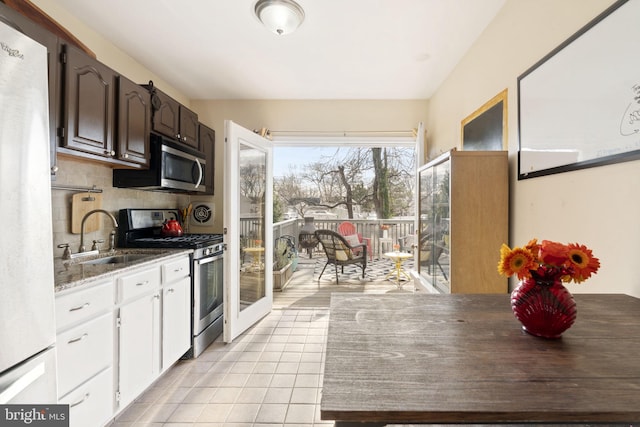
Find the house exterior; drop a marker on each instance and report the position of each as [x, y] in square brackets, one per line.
[598, 207]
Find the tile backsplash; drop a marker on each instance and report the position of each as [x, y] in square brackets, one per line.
[72, 172]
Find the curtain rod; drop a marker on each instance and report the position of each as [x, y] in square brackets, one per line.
[342, 133]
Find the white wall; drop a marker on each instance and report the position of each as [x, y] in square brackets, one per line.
[598, 207]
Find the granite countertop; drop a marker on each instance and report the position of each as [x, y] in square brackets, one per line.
[73, 273]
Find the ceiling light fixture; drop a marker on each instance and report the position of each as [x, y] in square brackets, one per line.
[279, 16]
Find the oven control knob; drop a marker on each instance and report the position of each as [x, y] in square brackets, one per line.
[207, 251]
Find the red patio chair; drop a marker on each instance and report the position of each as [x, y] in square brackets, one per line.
[348, 230]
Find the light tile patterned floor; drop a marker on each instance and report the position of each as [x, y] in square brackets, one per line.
[270, 376]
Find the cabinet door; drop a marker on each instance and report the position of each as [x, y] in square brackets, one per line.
[166, 115]
[176, 321]
[433, 233]
[89, 102]
[189, 128]
[134, 119]
[83, 351]
[138, 346]
[91, 404]
[207, 137]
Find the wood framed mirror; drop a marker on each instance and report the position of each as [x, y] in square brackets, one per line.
[486, 128]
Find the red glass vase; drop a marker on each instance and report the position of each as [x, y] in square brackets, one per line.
[544, 307]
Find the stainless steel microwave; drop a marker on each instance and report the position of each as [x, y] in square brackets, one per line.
[172, 168]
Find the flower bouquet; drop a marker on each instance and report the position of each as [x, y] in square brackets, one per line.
[547, 261]
[540, 301]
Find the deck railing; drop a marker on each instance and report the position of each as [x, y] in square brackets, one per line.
[397, 230]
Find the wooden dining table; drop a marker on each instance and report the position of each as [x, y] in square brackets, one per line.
[459, 359]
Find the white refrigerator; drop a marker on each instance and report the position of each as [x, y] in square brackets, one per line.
[27, 319]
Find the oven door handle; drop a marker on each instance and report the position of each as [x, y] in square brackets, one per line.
[207, 260]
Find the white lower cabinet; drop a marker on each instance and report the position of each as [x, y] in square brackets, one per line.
[154, 325]
[115, 337]
[84, 347]
[176, 310]
[139, 333]
[91, 404]
[176, 321]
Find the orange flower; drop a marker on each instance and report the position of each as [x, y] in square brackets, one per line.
[533, 246]
[554, 253]
[582, 262]
[518, 261]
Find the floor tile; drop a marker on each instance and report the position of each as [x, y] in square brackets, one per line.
[200, 395]
[243, 413]
[272, 413]
[186, 413]
[251, 395]
[215, 412]
[278, 395]
[300, 413]
[226, 395]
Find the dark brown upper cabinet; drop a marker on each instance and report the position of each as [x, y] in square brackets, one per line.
[134, 122]
[172, 119]
[207, 137]
[89, 92]
[189, 128]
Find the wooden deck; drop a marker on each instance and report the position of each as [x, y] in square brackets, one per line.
[305, 291]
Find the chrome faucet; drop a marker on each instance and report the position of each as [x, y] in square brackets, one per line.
[84, 218]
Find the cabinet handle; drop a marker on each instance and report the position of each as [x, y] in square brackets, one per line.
[125, 155]
[177, 270]
[146, 282]
[171, 290]
[85, 397]
[80, 307]
[156, 296]
[71, 341]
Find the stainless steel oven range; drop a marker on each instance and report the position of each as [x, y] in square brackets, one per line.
[141, 228]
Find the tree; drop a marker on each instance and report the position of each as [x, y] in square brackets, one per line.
[278, 212]
[292, 191]
[367, 178]
[380, 182]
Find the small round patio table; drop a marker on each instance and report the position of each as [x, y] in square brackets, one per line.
[398, 271]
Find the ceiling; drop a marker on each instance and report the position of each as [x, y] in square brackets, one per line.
[344, 49]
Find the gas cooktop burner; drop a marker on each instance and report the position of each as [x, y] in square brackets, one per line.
[141, 228]
[188, 241]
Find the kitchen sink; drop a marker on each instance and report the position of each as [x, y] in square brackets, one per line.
[117, 259]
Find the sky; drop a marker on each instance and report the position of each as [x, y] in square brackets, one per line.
[297, 156]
